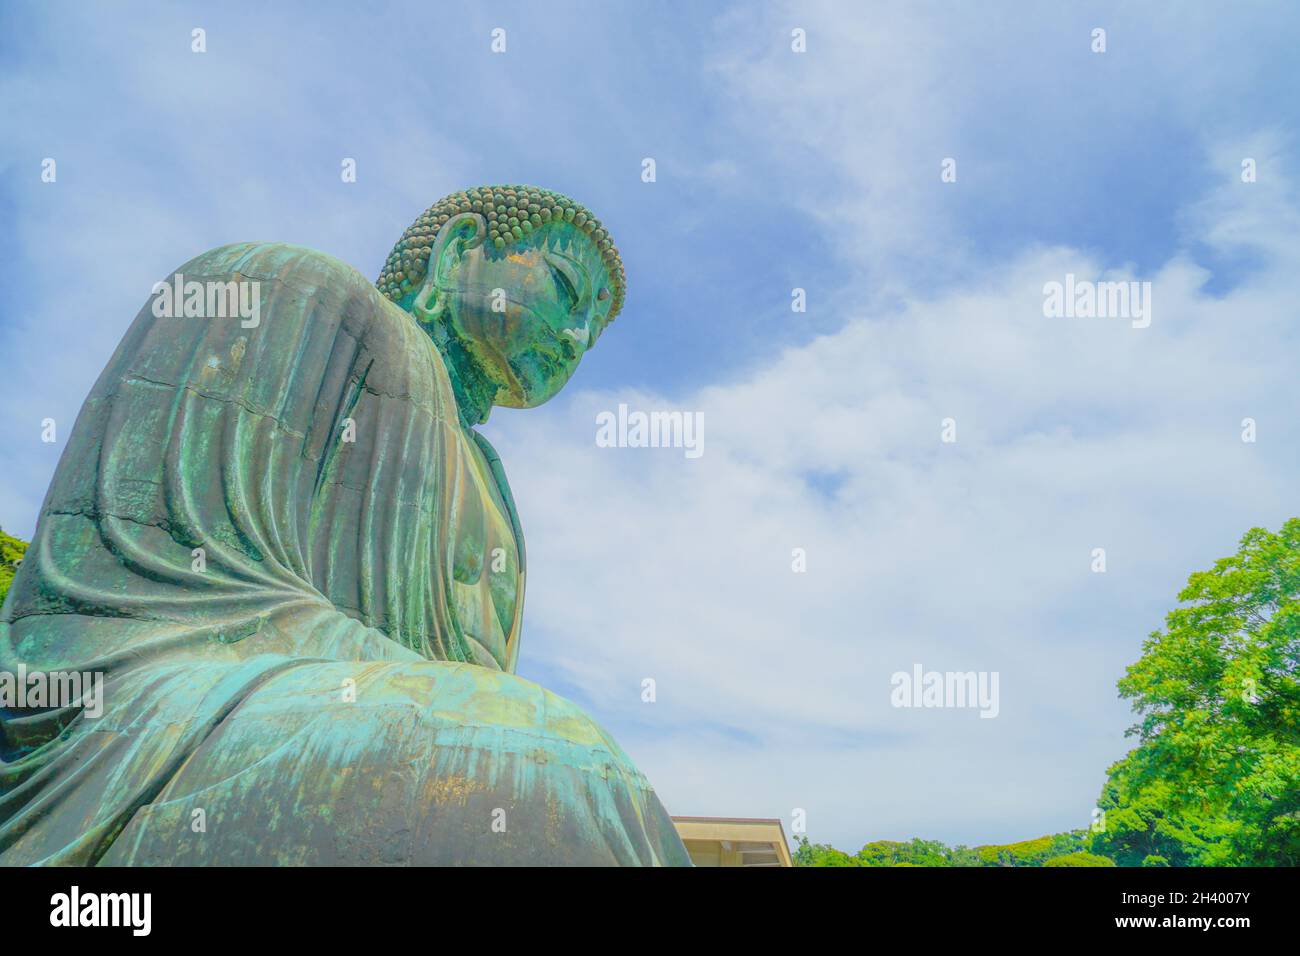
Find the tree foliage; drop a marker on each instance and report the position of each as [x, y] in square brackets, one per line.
[1215, 778]
[1081, 858]
[918, 852]
[11, 552]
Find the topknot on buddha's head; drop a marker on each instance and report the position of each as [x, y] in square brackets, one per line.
[512, 214]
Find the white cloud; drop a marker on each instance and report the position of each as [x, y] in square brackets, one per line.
[1073, 434]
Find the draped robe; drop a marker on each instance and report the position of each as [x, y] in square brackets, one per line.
[302, 580]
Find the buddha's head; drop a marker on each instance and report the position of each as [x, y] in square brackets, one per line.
[513, 283]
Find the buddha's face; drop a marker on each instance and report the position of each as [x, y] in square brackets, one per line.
[528, 314]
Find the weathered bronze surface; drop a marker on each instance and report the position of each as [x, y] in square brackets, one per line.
[300, 570]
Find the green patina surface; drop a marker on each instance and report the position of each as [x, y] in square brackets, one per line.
[301, 572]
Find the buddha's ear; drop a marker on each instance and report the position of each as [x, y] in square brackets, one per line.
[458, 235]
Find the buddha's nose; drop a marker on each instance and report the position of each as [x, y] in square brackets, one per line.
[581, 336]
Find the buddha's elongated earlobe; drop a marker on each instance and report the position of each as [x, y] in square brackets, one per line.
[460, 234]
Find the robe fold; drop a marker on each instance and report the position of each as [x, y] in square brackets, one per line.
[302, 581]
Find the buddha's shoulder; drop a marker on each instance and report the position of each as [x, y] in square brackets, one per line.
[299, 285]
[280, 262]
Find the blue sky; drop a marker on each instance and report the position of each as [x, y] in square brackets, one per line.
[774, 170]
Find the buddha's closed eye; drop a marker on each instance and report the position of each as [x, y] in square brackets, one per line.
[566, 284]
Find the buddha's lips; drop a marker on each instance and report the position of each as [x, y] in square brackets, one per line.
[569, 347]
[557, 350]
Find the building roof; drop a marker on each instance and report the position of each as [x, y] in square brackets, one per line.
[734, 841]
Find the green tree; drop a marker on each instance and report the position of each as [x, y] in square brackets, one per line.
[1079, 859]
[820, 854]
[1215, 778]
[1141, 821]
[965, 856]
[916, 852]
[11, 552]
[1031, 852]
